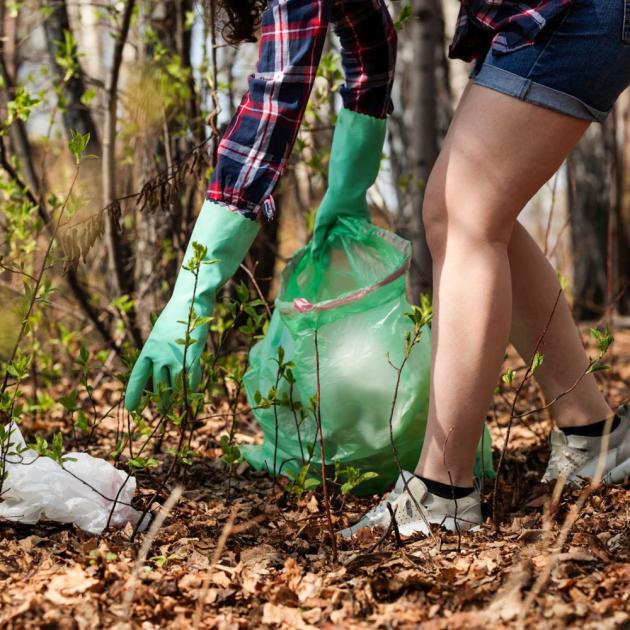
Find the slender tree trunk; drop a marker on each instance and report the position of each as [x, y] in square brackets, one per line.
[590, 171]
[76, 116]
[418, 126]
[428, 37]
[117, 252]
[619, 137]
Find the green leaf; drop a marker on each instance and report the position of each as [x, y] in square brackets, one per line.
[508, 377]
[597, 366]
[22, 105]
[78, 144]
[537, 361]
[603, 339]
[69, 401]
[404, 16]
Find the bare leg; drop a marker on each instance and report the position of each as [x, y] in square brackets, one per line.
[498, 152]
[535, 287]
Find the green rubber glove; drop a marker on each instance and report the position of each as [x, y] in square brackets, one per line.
[228, 236]
[355, 159]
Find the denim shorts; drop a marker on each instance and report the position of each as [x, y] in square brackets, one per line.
[577, 66]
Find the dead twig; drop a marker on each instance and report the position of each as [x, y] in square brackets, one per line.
[146, 546]
[394, 525]
[528, 373]
[318, 418]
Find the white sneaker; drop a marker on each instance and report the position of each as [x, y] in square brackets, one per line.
[455, 515]
[576, 457]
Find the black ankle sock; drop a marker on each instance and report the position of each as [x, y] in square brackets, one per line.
[596, 429]
[445, 490]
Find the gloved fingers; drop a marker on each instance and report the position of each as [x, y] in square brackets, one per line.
[162, 385]
[161, 375]
[194, 375]
[137, 380]
[319, 238]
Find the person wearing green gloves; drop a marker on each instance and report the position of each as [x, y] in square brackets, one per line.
[255, 148]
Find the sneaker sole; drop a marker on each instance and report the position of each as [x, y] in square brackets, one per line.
[619, 473]
[420, 527]
[612, 472]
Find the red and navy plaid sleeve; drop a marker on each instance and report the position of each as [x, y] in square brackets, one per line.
[503, 25]
[368, 55]
[258, 141]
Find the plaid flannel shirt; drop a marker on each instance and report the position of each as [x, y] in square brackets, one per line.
[503, 25]
[258, 141]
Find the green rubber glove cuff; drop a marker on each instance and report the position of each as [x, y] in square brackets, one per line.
[227, 236]
[355, 158]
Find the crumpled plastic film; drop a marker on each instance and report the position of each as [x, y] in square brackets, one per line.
[353, 294]
[83, 491]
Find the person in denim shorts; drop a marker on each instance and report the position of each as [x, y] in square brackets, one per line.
[545, 70]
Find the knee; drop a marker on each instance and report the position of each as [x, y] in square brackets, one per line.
[435, 216]
[463, 216]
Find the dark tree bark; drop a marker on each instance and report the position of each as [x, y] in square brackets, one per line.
[425, 92]
[598, 238]
[159, 150]
[76, 116]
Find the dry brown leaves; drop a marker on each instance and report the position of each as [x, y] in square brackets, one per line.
[275, 570]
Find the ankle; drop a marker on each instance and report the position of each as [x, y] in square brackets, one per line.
[446, 490]
[448, 478]
[578, 416]
[594, 429]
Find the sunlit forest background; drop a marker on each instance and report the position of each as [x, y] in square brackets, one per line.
[110, 117]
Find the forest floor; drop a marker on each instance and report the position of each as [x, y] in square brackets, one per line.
[241, 554]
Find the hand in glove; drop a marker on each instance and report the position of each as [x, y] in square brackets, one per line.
[355, 159]
[226, 237]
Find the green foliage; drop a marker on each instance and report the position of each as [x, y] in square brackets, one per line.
[78, 144]
[21, 106]
[350, 477]
[406, 13]
[537, 361]
[301, 482]
[54, 451]
[421, 316]
[231, 452]
[508, 377]
[67, 56]
[603, 341]
[141, 463]
[330, 69]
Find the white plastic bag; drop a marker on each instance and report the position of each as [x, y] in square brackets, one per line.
[83, 491]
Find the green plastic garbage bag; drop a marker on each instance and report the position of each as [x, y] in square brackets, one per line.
[352, 296]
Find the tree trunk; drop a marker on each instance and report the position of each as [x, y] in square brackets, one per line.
[593, 208]
[76, 116]
[428, 37]
[117, 250]
[423, 115]
[159, 149]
